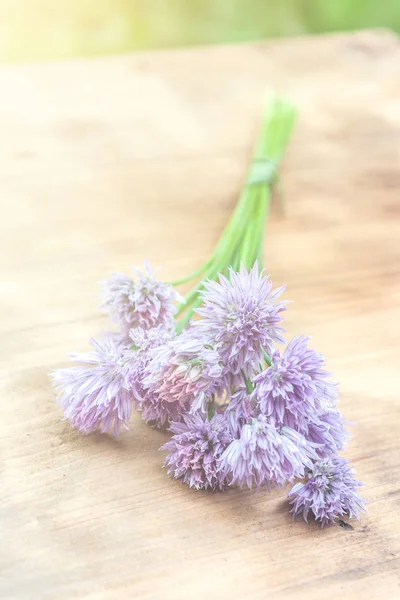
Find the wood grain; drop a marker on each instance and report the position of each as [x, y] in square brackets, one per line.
[106, 162]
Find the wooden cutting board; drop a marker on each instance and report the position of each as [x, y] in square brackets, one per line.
[109, 161]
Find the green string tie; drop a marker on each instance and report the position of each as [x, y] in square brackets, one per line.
[262, 171]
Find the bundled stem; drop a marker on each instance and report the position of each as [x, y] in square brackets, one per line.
[241, 241]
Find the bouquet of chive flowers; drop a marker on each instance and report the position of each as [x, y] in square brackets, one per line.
[241, 410]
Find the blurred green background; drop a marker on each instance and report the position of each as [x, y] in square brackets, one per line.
[51, 29]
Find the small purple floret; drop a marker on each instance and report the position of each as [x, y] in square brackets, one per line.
[330, 492]
[195, 449]
[97, 395]
[147, 302]
[154, 410]
[266, 455]
[295, 389]
[187, 370]
[242, 314]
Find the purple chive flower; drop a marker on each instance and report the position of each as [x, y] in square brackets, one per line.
[240, 410]
[265, 455]
[97, 394]
[186, 370]
[147, 302]
[242, 315]
[159, 413]
[328, 431]
[294, 390]
[195, 449]
[154, 409]
[330, 492]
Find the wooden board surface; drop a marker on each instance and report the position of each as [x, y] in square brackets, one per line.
[106, 162]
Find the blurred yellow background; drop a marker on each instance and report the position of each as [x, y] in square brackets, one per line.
[52, 29]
